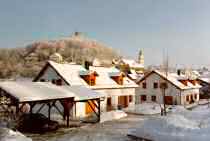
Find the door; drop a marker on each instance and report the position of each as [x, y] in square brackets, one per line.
[169, 100]
[88, 108]
[123, 101]
[109, 104]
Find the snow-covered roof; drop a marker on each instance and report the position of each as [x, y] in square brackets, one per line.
[175, 80]
[207, 80]
[105, 81]
[132, 63]
[71, 74]
[38, 91]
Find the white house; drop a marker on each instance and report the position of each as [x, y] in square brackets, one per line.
[119, 89]
[178, 89]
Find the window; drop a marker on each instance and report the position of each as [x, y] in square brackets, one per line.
[143, 98]
[42, 80]
[154, 98]
[195, 96]
[155, 85]
[53, 81]
[59, 82]
[130, 98]
[164, 85]
[144, 85]
[120, 81]
[92, 82]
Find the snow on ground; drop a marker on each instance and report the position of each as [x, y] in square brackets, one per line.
[144, 109]
[180, 125]
[115, 130]
[10, 135]
[112, 115]
[203, 101]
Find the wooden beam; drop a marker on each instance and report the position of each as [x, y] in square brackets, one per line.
[92, 108]
[99, 110]
[40, 108]
[67, 120]
[54, 105]
[32, 104]
[95, 103]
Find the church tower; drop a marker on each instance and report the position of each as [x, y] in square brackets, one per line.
[141, 57]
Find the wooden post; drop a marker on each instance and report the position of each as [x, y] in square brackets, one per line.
[67, 114]
[75, 109]
[49, 111]
[17, 109]
[99, 110]
[31, 108]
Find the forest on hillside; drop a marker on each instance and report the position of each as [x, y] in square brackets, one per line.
[27, 61]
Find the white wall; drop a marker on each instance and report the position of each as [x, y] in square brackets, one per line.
[50, 74]
[170, 91]
[114, 93]
[189, 92]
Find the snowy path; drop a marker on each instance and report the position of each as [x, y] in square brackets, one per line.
[109, 131]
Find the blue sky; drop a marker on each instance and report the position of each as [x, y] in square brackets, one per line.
[182, 27]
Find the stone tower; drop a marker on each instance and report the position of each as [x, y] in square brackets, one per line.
[141, 57]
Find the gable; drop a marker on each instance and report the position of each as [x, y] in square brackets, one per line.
[48, 73]
[158, 80]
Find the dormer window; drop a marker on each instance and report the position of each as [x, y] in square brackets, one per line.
[183, 82]
[117, 77]
[194, 82]
[89, 77]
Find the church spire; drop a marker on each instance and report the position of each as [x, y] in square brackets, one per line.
[141, 57]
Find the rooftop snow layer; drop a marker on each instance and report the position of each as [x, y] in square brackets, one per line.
[71, 74]
[38, 91]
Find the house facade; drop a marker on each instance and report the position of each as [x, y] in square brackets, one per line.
[119, 89]
[178, 89]
[205, 89]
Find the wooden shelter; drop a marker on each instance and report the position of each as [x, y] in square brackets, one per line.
[17, 94]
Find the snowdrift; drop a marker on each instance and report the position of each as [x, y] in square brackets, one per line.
[10, 135]
[112, 115]
[144, 109]
[181, 125]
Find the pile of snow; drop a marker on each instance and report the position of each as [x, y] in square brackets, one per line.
[10, 135]
[181, 125]
[144, 109]
[112, 115]
[179, 121]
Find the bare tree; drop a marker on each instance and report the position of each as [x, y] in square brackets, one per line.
[164, 83]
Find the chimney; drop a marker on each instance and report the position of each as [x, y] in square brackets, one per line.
[179, 72]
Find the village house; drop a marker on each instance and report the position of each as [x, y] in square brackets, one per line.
[131, 64]
[179, 89]
[119, 89]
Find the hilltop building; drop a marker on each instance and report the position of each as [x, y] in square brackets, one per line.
[56, 57]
